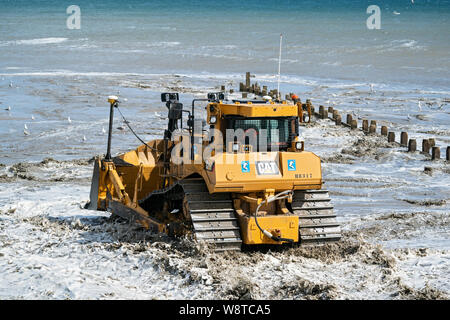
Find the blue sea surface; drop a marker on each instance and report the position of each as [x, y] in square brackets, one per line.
[323, 39]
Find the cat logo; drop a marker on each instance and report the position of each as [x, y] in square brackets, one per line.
[267, 167]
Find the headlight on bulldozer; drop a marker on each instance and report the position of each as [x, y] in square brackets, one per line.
[213, 119]
[235, 147]
[299, 145]
[209, 164]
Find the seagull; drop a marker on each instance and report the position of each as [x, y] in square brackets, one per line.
[120, 128]
[103, 130]
[68, 119]
[32, 117]
[408, 117]
[84, 138]
[396, 13]
[25, 126]
[157, 114]
[8, 109]
[371, 87]
[420, 106]
[412, 1]
[10, 84]
[25, 132]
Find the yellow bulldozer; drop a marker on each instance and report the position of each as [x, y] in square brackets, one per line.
[239, 177]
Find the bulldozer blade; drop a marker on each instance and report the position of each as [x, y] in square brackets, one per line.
[93, 197]
[129, 213]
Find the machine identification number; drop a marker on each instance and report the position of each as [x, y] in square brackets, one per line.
[267, 167]
[303, 175]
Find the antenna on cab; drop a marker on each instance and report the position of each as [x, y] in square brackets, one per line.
[279, 67]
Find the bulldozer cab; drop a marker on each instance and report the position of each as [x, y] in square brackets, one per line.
[254, 125]
[236, 125]
[269, 133]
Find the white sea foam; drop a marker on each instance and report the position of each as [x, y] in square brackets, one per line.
[164, 44]
[39, 41]
[227, 47]
[68, 73]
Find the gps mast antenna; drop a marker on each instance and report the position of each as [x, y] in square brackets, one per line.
[279, 68]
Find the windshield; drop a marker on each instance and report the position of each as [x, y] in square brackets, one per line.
[279, 132]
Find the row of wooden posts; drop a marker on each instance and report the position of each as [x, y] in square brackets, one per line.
[427, 144]
[367, 127]
[255, 88]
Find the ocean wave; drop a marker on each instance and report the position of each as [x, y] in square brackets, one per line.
[67, 73]
[14, 68]
[405, 44]
[284, 60]
[332, 64]
[38, 41]
[164, 44]
[225, 46]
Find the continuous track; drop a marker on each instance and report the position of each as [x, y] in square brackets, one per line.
[212, 215]
[317, 221]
